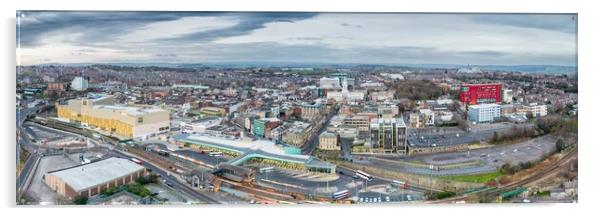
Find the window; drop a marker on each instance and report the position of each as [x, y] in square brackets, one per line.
[140, 120]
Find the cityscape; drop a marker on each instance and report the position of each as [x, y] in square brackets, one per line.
[187, 108]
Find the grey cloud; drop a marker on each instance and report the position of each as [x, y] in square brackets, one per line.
[553, 22]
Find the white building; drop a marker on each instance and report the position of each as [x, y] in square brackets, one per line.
[537, 110]
[507, 96]
[344, 94]
[329, 83]
[428, 116]
[79, 84]
[201, 125]
[484, 113]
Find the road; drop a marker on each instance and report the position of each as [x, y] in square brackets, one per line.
[314, 139]
[167, 175]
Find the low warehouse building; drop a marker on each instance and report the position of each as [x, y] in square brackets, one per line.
[93, 178]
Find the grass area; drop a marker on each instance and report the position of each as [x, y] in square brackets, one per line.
[477, 178]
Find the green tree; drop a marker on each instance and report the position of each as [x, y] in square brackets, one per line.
[80, 200]
[560, 145]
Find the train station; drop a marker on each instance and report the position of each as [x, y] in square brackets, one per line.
[259, 151]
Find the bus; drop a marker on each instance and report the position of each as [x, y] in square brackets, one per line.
[341, 195]
[216, 154]
[136, 160]
[363, 175]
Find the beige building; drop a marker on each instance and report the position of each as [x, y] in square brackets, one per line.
[100, 111]
[94, 178]
[328, 141]
[297, 134]
[361, 122]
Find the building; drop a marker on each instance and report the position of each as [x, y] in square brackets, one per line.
[360, 122]
[484, 113]
[257, 151]
[127, 122]
[507, 95]
[328, 141]
[93, 178]
[200, 125]
[297, 134]
[310, 111]
[533, 109]
[388, 135]
[329, 83]
[263, 125]
[345, 94]
[213, 111]
[416, 121]
[428, 117]
[481, 93]
[55, 86]
[79, 84]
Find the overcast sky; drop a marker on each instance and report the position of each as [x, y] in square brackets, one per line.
[211, 37]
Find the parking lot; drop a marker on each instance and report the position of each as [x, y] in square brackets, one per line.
[40, 191]
[490, 158]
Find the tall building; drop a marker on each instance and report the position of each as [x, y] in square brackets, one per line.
[101, 112]
[481, 93]
[79, 84]
[484, 113]
[388, 135]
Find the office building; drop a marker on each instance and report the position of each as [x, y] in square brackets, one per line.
[484, 113]
[481, 93]
[388, 135]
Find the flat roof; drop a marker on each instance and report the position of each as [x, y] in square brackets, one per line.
[130, 109]
[90, 175]
[483, 106]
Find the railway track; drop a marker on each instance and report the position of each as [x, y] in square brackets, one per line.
[550, 170]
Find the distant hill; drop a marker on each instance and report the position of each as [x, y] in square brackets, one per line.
[546, 69]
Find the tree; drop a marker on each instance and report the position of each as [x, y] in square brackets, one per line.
[80, 200]
[495, 138]
[560, 145]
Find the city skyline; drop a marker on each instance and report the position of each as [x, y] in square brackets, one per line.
[215, 37]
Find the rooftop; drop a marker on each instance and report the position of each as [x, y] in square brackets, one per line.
[479, 106]
[251, 148]
[130, 109]
[89, 175]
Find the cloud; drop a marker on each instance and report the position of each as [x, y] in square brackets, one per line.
[197, 37]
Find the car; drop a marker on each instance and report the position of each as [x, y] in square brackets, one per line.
[340, 172]
[515, 150]
[169, 184]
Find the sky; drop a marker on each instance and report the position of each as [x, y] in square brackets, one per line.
[362, 38]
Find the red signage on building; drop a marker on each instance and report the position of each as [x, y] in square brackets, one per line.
[481, 93]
